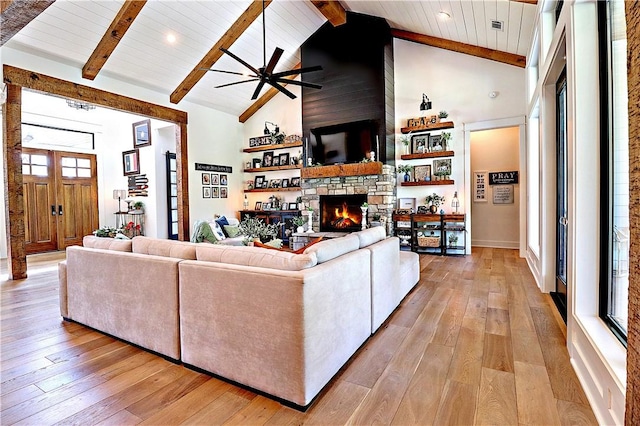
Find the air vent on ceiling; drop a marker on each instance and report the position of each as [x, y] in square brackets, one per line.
[497, 25]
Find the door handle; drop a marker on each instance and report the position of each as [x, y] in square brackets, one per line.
[59, 210]
[563, 221]
[53, 210]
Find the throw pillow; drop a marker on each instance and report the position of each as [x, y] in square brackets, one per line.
[231, 231]
[222, 221]
[217, 231]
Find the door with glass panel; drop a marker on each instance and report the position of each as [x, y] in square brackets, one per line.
[560, 295]
[60, 198]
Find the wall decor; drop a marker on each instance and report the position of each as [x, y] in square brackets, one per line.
[422, 173]
[407, 204]
[256, 163]
[502, 194]
[213, 168]
[419, 143]
[223, 192]
[131, 162]
[138, 186]
[274, 183]
[267, 159]
[285, 183]
[223, 180]
[259, 181]
[215, 192]
[503, 178]
[206, 179]
[215, 179]
[435, 143]
[284, 159]
[295, 181]
[206, 192]
[480, 186]
[142, 133]
[442, 167]
[293, 206]
[258, 205]
[275, 161]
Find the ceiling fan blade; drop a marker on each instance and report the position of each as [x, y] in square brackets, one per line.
[277, 53]
[297, 71]
[282, 89]
[258, 89]
[227, 72]
[255, 71]
[298, 83]
[236, 82]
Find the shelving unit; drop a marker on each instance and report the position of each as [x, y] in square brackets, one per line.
[432, 225]
[289, 189]
[429, 182]
[428, 155]
[272, 168]
[273, 146]
[437, 154]
[432, 126]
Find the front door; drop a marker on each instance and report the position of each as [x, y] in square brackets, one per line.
[60, 198]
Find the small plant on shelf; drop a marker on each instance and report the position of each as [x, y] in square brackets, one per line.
[453, 240]
[433, 201]
[443, 114]
[445, 137]
[299, 220]
[406, 169]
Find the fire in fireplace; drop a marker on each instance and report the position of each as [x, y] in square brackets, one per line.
[341, 213]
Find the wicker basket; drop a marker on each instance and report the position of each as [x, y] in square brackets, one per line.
[429, 241]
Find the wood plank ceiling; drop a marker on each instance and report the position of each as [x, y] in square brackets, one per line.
[90, 34]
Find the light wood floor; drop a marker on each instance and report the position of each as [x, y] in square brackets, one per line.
[474, 343]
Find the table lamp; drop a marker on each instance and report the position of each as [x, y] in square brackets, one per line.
[455, 203]
[119, 194]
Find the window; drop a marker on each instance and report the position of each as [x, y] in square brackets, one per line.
[614, 279]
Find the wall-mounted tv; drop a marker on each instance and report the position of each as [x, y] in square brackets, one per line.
[344, 143]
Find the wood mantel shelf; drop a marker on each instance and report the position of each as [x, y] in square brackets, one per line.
[290, 188]
[427, 155]
[355, 169]
[435, 126]
[272, 168]
[429, 182]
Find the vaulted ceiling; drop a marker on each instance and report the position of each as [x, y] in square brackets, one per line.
[129, 40]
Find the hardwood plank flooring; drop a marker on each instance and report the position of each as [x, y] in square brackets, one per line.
[474, 343]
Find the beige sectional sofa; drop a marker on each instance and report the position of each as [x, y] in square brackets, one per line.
[278, 322]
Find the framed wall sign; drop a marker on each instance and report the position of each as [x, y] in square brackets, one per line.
[131, 162]
[142, 133]
[480, 186]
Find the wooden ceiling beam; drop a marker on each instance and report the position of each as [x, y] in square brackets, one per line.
[119, 26]
[332, 10]
[16, 14]
[534, 2]
[262, 100]
[242, 23]
[480, 52]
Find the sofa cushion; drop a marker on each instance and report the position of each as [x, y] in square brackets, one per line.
[231, 231]
[371, 236]
[217, 230]
[254, 256]
[166, 248]
[91, 241]
[330, 249]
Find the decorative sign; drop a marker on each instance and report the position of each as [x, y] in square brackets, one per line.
[421, 121]
[260, 141]
[503, 194]
[503, 178]
[138, 186]
[480, 187]
[213, 168]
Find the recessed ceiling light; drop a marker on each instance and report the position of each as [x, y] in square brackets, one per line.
[444, 15]
[171, 38]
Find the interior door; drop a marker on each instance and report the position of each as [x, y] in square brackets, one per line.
[560, 295]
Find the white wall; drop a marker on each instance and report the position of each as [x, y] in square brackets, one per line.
[459, 84]
[496, 225]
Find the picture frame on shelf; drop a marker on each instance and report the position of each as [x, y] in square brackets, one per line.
[275, 161]
[256, 162]
[259, 181]
[247, 165]
[293, 161]
[293, 206]
[215, 192]
[442, 166]
[131, 162]
[420, 143]
[142, 133]
[422, 173]
[258, 205]
[407, 204]
[223, 179]
[215, 179]
[224, 192]
[206, 192]
[206, 179]
[285, 183]
[295, 181]
[284, 159]
[274, 183]
[435, 143]
[267, 159]
[266, 206]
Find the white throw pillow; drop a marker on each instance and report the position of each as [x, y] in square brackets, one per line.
[217, 230]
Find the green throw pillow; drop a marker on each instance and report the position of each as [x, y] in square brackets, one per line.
[231, 230]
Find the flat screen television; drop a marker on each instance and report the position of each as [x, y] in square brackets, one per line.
[343, 143]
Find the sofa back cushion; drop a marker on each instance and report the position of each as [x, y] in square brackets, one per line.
[255, 256]
[330, 249]
[91, 241]
[166, 248]
[371, 236]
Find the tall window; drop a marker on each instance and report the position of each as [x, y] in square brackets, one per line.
[614, 282]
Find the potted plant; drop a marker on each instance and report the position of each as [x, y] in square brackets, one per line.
[445, 137]
[375, 220]
[253, 228]
[406, 140]
[299, 221]
[138, 207]
[442, 115]
[434, 200]
[453, 240]
[406, 169]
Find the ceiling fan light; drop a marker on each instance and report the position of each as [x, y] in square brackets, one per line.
[444, 15]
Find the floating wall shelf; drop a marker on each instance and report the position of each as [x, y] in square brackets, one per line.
[427, 155]
[435, 126]
[429, 182]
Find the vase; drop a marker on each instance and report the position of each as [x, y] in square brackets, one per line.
[433, 208]
[407, 177]
[300, 229]
[309, 221]
[364, 217]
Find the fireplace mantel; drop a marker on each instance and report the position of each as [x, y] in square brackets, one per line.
[355, 169]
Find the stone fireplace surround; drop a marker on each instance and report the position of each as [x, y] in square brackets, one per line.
[380, 190]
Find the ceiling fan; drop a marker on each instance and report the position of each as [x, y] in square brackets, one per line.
[265, 74]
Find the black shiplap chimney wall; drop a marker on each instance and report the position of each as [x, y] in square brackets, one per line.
[357, 78]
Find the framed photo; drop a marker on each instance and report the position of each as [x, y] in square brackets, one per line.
[274, 183]
[442, 166]
[285, 183]
[435, 143]
[267, 159]
[256, 163]
[275, 161]
[407, 204]
[293, 161]
[420, 143]
[206, 192]
[259, 181]
[223, 180]
[215, 179]
[223, 192]
[422, 173]
[206, 179]
[215, 192]
[142, 133]
[131, 162]
[284, 159]
[266, 206]
[293, 206]
[480, 186]
[295, 181]
[258, 205]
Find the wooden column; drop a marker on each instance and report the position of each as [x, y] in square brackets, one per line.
[13, 191]
[182, 166]
[632, 413]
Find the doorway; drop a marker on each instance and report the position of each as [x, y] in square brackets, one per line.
[560, 294]
[60, 198]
